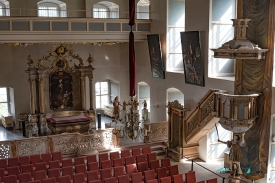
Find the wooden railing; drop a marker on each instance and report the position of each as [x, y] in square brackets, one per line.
[70, 144]
[156, 132]
[201, 114]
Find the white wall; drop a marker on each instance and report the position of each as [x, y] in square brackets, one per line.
[111, 62]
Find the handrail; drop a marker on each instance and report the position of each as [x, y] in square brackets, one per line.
[192, 165]
[201, 114]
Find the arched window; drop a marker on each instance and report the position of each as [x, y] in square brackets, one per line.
[51, 8]
[175, 94]
[143, 94]
[4, 8]
[105, 9]
[143, 9]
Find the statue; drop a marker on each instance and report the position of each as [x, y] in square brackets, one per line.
[116, 105]
[235, 154]
[124, 105]
[144, 104]
[135, 104]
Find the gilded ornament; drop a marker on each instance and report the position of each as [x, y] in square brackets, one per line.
[175, 104]
[90, 59]
[30, 61]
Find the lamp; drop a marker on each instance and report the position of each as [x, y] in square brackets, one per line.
[131, 123]
[240, 47]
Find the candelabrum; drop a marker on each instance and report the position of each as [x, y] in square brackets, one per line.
[131, 124]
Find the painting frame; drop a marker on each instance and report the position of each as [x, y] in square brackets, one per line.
[155, 53]
[191, 55]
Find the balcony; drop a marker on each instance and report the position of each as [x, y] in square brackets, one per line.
[70, 30]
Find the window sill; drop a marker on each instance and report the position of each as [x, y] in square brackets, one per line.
[175, 71]
[227, 78]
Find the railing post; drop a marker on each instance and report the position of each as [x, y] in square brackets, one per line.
[192, 166]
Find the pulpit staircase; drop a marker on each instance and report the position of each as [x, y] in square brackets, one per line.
[236, 113]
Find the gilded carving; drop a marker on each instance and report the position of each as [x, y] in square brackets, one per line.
[90, 60]
[175, 104]
[192, 124]
[157, 131]
[59, 58]
[207, 108]
[30, 61]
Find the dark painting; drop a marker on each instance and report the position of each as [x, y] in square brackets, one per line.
[191, 52]
[155, 56]
[61, 95]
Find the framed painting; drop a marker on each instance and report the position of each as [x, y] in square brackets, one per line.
[192, 61]
[157, 67]
[61, 90]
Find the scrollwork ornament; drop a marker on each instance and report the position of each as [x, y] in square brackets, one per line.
[30, 61]
[90, 59]
[176, 104]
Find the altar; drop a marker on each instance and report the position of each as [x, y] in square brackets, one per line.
[58, 93]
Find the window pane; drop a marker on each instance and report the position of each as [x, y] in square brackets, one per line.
[221, 34]
[2, 10]
[104, 100]
[223, 10]
[175, 62]
[97, 88]
[143, 12]
[174, 39]
[104, 88]
[3, 107]
[97, 99]
[3, 95]
[176, 13]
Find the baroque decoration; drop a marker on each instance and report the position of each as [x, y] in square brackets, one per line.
[61, 75]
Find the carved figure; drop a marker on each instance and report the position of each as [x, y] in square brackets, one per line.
[124, 105]
[144, 104]
[135, 104]
[116, 104]
[235, 154]
[30, 61]
[90, 60]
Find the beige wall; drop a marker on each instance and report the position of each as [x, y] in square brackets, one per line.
[111, 62]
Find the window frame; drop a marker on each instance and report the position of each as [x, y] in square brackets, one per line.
[61, 8]
[5, 8]
[170, 62]
[211, 60]
[143, 3]
[6, 102]
[112, 9]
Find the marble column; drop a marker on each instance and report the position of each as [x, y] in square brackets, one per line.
[32, 102]
[91, 92]
[83, 93]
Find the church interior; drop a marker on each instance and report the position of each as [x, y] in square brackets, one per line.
[172, 85]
